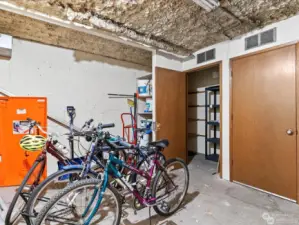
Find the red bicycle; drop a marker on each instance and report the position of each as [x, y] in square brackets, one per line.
[34, 175]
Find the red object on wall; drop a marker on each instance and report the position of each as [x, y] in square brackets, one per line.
[129, 128]
[14, 111]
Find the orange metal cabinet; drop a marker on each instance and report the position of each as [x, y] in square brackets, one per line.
[14, 161]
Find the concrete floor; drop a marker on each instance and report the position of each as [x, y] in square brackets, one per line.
[212, 201]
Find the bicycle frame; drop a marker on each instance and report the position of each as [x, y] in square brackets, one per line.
[110, 168]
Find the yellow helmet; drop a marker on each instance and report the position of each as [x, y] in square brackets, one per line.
[32, 142]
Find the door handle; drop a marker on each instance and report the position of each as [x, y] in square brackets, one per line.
[290, 132]
[156, 126]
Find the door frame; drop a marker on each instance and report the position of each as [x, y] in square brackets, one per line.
[231, 152]
[199, 68]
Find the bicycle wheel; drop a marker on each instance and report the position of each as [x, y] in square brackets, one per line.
[48, 188]
[23, 193]
[75, 205]
[170, 187]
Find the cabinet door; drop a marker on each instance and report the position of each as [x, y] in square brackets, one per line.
[171, 109]
[14, 112]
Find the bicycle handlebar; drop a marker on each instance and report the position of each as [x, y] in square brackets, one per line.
[126, 144]
[34, 123]
[83, 133]
[87, 123]
[108, 125]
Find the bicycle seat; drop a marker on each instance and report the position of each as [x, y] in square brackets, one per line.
[161, 143]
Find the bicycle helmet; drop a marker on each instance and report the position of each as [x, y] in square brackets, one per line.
[32, 142]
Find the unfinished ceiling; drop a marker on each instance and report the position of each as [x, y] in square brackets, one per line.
[34, 30]
[177, 26]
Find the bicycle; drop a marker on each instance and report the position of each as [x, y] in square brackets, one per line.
[43, 192]
[25, 189]
[68, 208]
[137, 156]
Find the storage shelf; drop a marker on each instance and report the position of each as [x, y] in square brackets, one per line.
[213, 123]
[192, 119]
[194, 106]
[195, 92]
[196, 135]
[145, 113]
[211, 137]
[146, 77]
[214, 140]
[213, 88]
[213, 106]
[143, 97]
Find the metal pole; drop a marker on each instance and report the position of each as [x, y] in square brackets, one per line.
[206, 125]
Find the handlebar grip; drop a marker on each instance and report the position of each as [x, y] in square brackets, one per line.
[125, 144]
[76, 134]
[108, 125]
[83, 133]
[89, 122]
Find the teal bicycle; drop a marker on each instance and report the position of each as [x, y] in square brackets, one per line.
[95, 201]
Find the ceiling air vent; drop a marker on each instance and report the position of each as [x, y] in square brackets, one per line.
[263, 38]
[252, 42]
[206, 56]
[268, 36]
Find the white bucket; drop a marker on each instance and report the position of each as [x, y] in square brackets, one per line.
[144, 140]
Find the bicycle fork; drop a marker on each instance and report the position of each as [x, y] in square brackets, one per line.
[99, 191]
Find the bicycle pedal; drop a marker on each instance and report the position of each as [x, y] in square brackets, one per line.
[165, 207]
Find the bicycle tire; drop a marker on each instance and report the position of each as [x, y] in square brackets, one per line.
[18, 192]
[29, 209]
[155, 186]
[74, 186]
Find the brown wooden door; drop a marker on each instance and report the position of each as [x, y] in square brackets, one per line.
[263, 109]
[171, 108]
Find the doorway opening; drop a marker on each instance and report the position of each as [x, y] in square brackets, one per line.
[204, 113]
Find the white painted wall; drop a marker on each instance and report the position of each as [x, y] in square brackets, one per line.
[287, 32]
[164, 60]
[56, 73]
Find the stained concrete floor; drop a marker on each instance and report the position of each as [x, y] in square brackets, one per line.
[212, 201]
